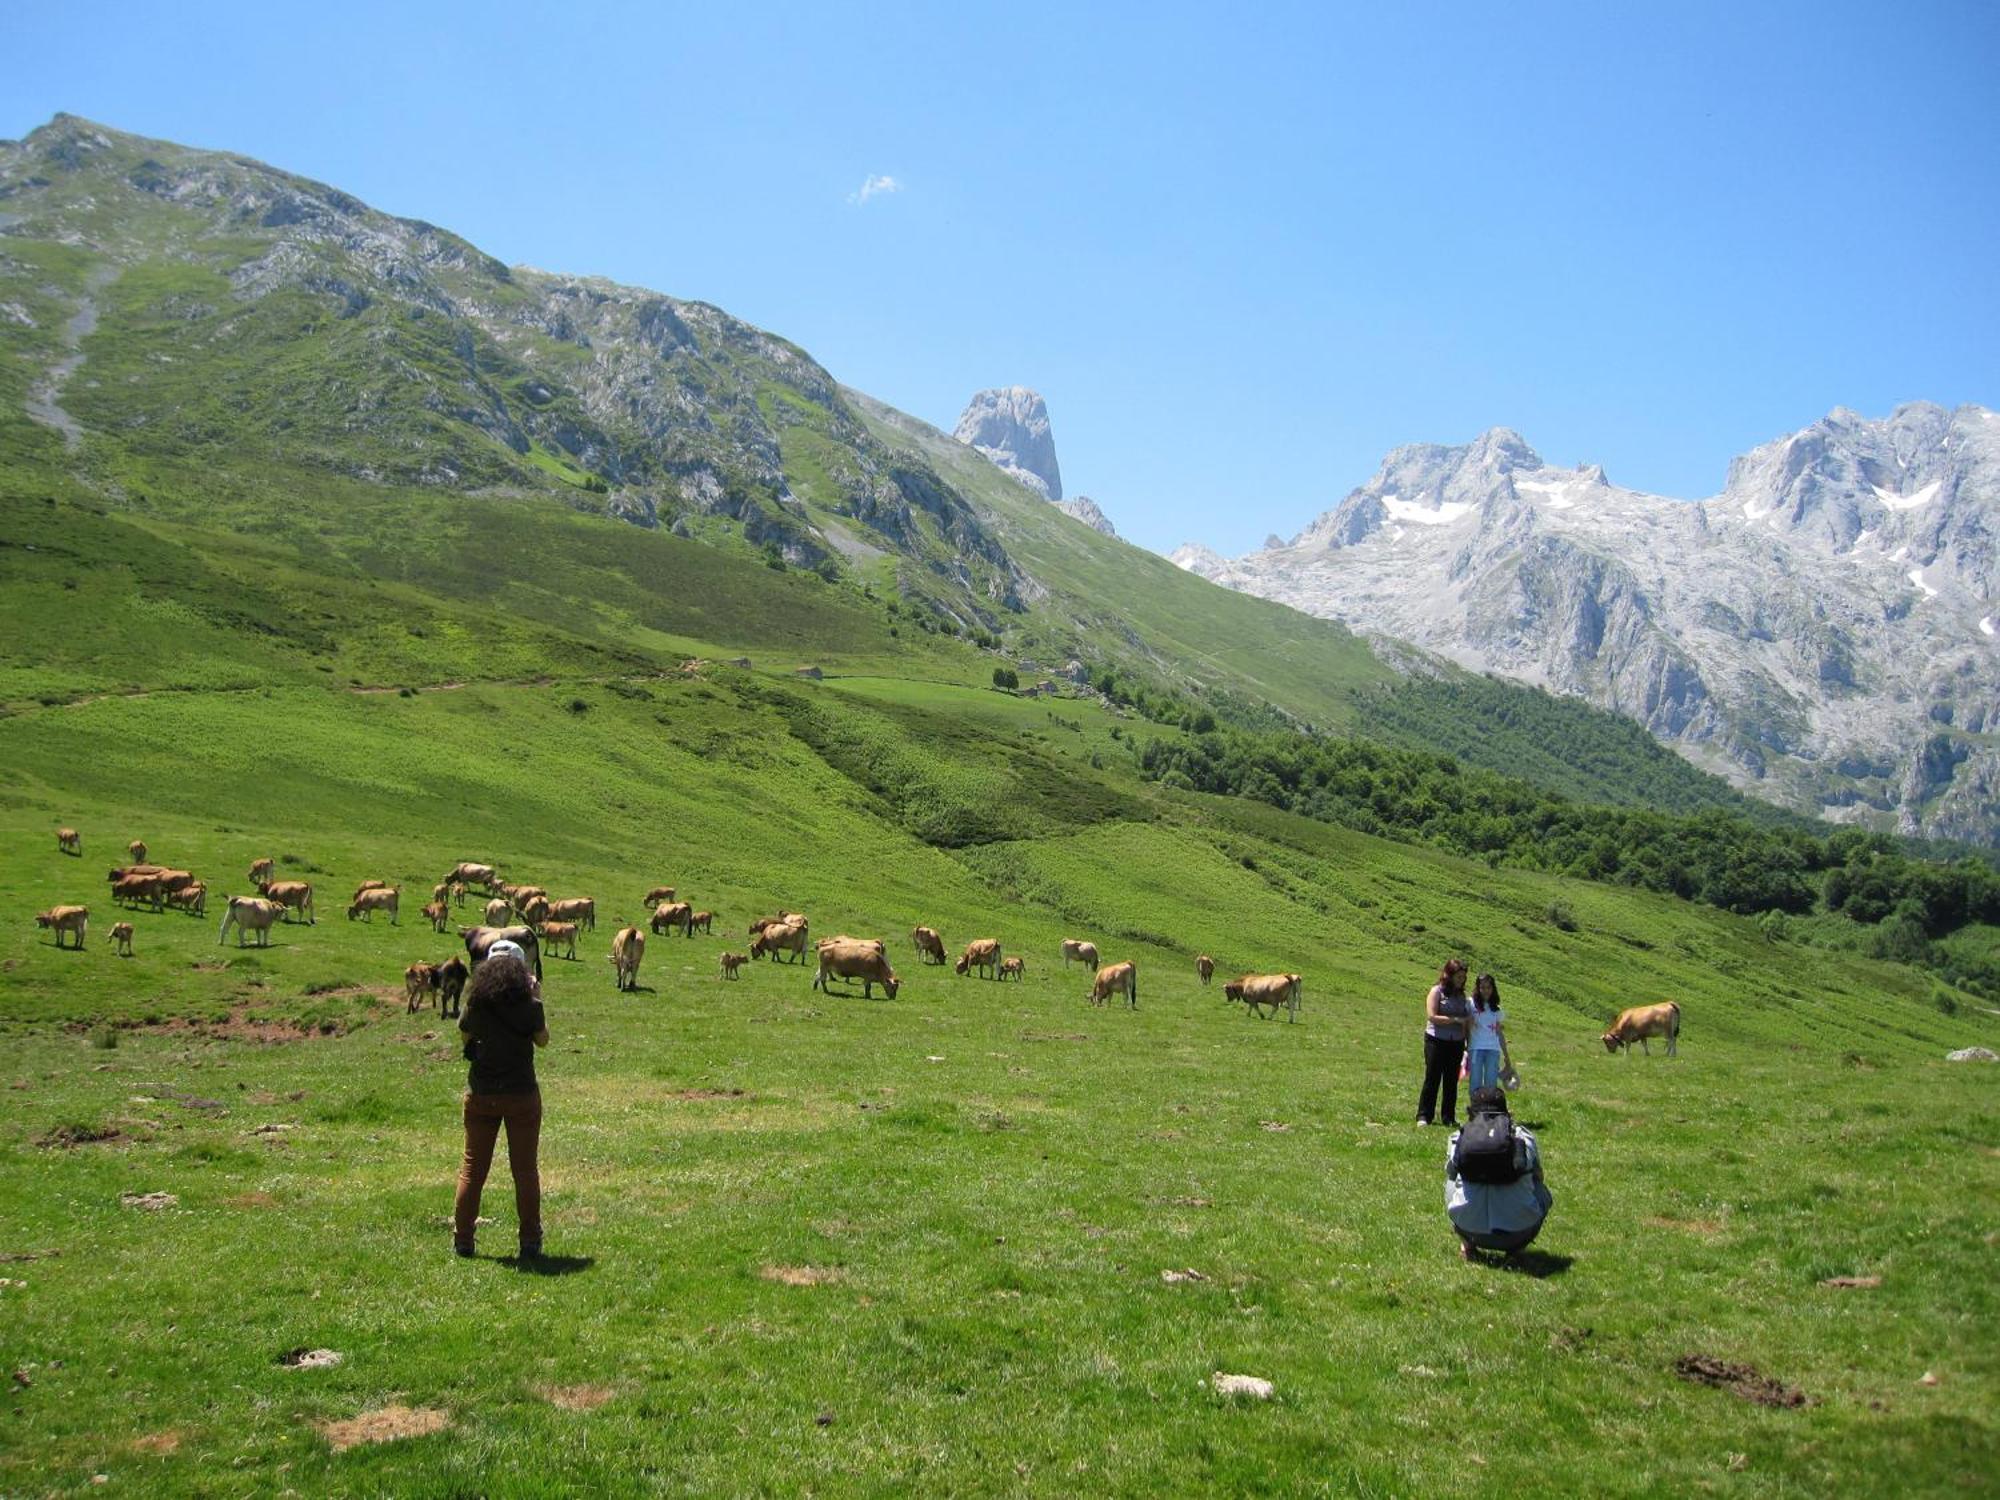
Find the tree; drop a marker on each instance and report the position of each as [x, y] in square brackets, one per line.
[1006, 677]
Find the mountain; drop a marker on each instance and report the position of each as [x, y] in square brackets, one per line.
[1086, 510]
[1823, 631]
[1010, 426]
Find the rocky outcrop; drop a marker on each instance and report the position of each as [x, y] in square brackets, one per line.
[1084, 509]
[1010, 425]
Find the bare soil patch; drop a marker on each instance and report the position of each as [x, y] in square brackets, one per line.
[69, 1137]
[696, 1094]
[303, 1358]
[1862, 1283]
[1745, 1381]
[1707, 1228]
[802, 1275]
[387, 1424]
[151, 1202]
[576, 1397]
[161, 1443]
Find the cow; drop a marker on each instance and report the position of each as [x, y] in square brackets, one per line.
[701, 921]
[479, 940]
[292, 895]
[383, 898]
[121, 938]
[441, 891]
[119, 872]
[579, 909]
[1083, 952]
[1643, 1021]
[451, 984]
[782, 919]
[129, 890]
[173, 880]
[438, 915]
[458, 893]
[1013, 968]
[250, 914]
[980, 953]
[856, 958]
[671, 914]
[929, 945]
[1204, 968]
[419, 980]
[731, 962]
[71, 919]
[559, 935]
[468, 873]
[1279, 991]
[658, 894]
[780, 937]
[533, 909]
[137, 849]
[498, 913]
[1116, 979]
[367, 886]
[627, 948]
[262, 870]
[69, 841]
[192, 899]
[525, 898]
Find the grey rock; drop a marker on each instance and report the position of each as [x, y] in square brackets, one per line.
[1973, 1054]
[1010, 425]
[1085, 509]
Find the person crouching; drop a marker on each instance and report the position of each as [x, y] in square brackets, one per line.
[1493, 1187]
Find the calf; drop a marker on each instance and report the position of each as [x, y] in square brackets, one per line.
[1204, 968]
[701, 921]
[438, 914]
[451, 984]
[560, 935]
[731, 962]
[121, 938]
[69, 841]
[1643, 1021]
[137, 849]
[74, 920]
[1013, 968]
[419, 980]
[192, 899]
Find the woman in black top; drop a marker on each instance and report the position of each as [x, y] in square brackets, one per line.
[503, 1025]
[1446, 1010]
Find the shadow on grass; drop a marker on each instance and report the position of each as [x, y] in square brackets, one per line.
[1539, 1264]
[550, 1265]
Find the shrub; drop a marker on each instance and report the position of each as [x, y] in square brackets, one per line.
[1561, 916]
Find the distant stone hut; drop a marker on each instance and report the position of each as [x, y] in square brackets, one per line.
[813, 672]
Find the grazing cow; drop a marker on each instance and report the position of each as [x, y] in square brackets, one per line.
[980, 953]
[469, 873]
[1204, 968]
[1013, 968]
[129, 890]
[658, 894]
[479, 940]
[856, 958]
[701, 921]
[262, 870]
[70, 919]
[498, 913]
[731, 962]
[137, 849]
[781, 937]
[929, 945]
[437, 914]
[671, 914]
[534, 910]
[173, 880]
[371, 885]
[1116, 979]
[250, 914]
[292, 895]
[451, 984]
[441, 891]
[419, 980]
[121, 938]
[69, 841]
[1279, 991]
[1643, 1021]
[1084, 953]
[627, 948]
[383, 898]
[579, 909]
[192, 899]
[559, 934]
[458, 893]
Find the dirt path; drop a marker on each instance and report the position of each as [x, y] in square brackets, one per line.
[44, 405]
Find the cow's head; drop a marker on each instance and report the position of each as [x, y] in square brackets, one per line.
[1612, 1041]
[891, 985]
[963, 965]
[1233, 990]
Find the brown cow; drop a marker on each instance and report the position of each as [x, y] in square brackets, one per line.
[1643, 1021]
[1078, 949]
[479, 940]
[451, 984]
[1279, 991]
[533, 909]
[371, 885]
[129, 890]
[262, 870]
[559, 934]
[1013, 968]
[498, 913]
[658, 894]
[250, 914]
[292, 895]
[69, 841]
[1116, 979]
[472, 874]
[671, 914]
[701, 921]
[980, 953]
[438, 915]
[441, 891]
[627, 948]
[782, 919]
[119, 872]
[1204, 967]
[419, 980]
[731, 962]
[121, 938]
[70, 919]
[856, 958]
[137, 849]
[386, 898]
[579, 909]
[192, 899]
[929, 945]
[458, 893]
[780, 937]
[173, 880]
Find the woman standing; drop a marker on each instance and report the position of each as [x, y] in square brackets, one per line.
[1488, 1042]
[503, 1024]
[1446, 1010]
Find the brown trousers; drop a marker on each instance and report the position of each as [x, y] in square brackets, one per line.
[484, 1115]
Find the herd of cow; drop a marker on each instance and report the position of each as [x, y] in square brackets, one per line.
[526, 915]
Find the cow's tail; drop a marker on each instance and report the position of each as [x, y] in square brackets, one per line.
[223, 931]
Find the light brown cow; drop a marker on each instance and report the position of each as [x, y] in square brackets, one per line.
[469, 873]
[173, 880]
[383, 898]
[498, 913]
[119, 872]
[121, 938]
[579, 909]
[371, 885]
[250, 914]
[451, 984]
[658, 894]
[525, 896]
[532, 909]
[1013, 968]
[929, 945]
[1083, 952]
[129, 890]
[559, 934]
[780, 937]
[292, 895]
[1204, 967]
[458, 893]
[419, 980]
[69, 841]
[782, 919]
[671, 914]
[438, 915]
[1643, 1021]
[137, 849]
[262, 870]
[441, 891]
[1116, 979]
[980, 953]
[731, 962]
[192, 899]
[71, 919]
[701, 921]
[856, 958]
[627, 948]
[1279, 991]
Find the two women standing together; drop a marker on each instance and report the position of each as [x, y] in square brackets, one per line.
[1452, 1019]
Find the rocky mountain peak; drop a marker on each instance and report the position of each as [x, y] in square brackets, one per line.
[1086, 510]
[1010, 425]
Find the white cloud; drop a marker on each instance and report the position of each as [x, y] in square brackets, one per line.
[874, 186]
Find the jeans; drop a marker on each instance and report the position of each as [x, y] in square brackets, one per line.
[1483, 1069]
[484, 1115]
[1441, 1060]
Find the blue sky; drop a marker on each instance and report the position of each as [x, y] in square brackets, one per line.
[1242, 255]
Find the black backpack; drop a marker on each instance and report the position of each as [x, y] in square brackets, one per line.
[1486, 1150]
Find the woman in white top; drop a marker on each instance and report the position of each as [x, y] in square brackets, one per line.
[1486, 1046]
